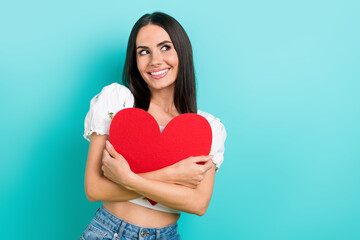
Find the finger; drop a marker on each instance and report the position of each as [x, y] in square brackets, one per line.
[195, 159]
[111, 149]
[105, 152]
[208, 165]
[107, 160]
[105, 155]
[199, 178]
[189, 185]
[199, 159]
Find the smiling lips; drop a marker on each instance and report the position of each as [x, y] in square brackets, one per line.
[157, 74]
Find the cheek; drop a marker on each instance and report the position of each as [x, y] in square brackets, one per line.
[173, 59]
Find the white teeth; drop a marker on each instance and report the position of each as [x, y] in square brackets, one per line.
[159, 72]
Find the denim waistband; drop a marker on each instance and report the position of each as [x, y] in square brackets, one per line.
[121, 227]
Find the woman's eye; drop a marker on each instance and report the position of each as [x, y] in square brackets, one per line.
[165, 47]
[143, 52]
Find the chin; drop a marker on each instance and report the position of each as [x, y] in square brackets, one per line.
[160, 87]
[157, 85]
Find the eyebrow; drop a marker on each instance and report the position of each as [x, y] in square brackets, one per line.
[159, 44]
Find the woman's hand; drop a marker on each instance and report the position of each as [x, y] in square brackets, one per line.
[115, 167]
[188, 172]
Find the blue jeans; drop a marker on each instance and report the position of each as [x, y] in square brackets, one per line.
[105, 225]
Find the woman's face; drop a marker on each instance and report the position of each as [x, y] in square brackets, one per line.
[156, 57]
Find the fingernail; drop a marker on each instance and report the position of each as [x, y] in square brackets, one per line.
[108, 144]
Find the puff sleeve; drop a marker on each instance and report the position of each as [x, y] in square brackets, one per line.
[104, 106]
[218, 141]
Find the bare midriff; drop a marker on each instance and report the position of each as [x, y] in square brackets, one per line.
[141, 216]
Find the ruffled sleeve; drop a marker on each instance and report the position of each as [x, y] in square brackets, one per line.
[103, 108]
[218, 141]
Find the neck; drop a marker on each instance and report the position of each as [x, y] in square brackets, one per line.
[163, 99]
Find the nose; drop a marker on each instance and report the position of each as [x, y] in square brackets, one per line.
[156, 58]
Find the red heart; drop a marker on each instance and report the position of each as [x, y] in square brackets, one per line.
[135, 134]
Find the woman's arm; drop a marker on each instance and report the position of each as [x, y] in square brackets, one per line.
[178, 197]
[100, 188]
[194, 201]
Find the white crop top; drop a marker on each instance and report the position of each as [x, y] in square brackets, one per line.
[115, 97]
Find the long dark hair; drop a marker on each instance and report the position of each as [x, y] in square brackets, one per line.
[185, 89]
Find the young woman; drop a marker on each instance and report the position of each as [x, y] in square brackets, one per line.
[159, 78]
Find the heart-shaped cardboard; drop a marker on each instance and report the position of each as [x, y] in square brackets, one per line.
[135, 134]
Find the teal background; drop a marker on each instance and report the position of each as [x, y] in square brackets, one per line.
[283, 76]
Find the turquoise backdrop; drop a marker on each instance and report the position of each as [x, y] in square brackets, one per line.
[283, 76]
